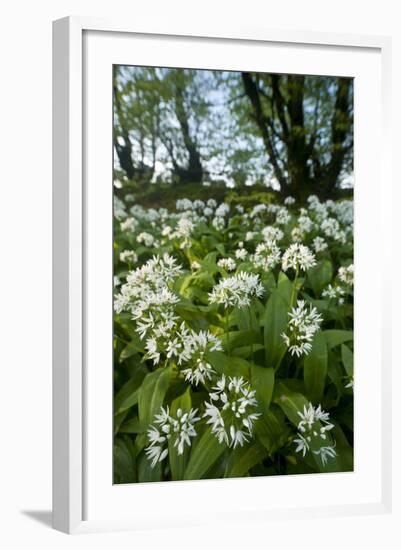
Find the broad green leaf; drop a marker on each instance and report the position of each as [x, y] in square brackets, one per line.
[240, 338]
[336, 337]
[230, 366]
[276, 318]
[320, 276]
[203, 455]
[271, 430]
[124, 467]
[127, 396]
[247, 351]
[118, 419]
[178, 462]
[131, 426]
[315, 369]
[243, 459]
[348, 359]
[151, 395]
[284, 287]
[291, 403]
[145, 471]
[262, 379]
[134, 346]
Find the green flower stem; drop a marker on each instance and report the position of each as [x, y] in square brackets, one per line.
[227, 331]
[294, 287]
[292, 299]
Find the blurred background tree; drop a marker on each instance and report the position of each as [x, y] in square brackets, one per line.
[244, 134]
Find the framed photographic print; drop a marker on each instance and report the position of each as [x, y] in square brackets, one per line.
[216, 205]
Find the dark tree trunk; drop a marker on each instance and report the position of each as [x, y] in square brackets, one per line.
[292, 153]
[193, 171]
[122, 142]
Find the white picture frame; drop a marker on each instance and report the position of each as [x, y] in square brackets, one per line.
[71, 418]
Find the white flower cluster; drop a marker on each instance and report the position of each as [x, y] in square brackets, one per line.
[319, 244]
[283, 216]
[237, 290]
[227, 263]
[302, 326]
[128, 256]
[146, 238]
[334, 293]
[346, 275]
[147, 297]
[197, 344]
[271, 233]
[241, 253]
[179, 429]
[232, 411]
[267, 255]
[298, 256]
[331, 228]
[129, 225]
[312, 429]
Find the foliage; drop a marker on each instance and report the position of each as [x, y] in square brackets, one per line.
[233, 339]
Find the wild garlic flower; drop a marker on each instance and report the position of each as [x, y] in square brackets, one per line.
[297, 235]
[312, 430]
[271, 233]
[241, 253]
[146, 238]
[319, 244]
[197, 344]
[222, 210]
[267, 255]
[237, 290]
[232, 411]
[298, 256]
[170, 340]
[346, 275]
[195, 265]
[227, 263]
[334, 293]
[147, 297]
[288, 201]
[305, 224]
[331, 228]
[302, 326]
[179, 429]
[128, 256]
[183, 204]
[219, 223]
[129, 224]
[325, 453]
[283, 216]
[184, 227]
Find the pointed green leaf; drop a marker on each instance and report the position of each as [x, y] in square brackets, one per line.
[276, 318]
[348, 359]
[243, 459]
[315, 369]
[203, 455]
[151, 395]
[262, 379]
[336, 337]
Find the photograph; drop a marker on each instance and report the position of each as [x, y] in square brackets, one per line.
[233, 274]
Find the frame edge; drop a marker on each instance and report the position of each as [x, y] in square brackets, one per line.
[67, 275]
